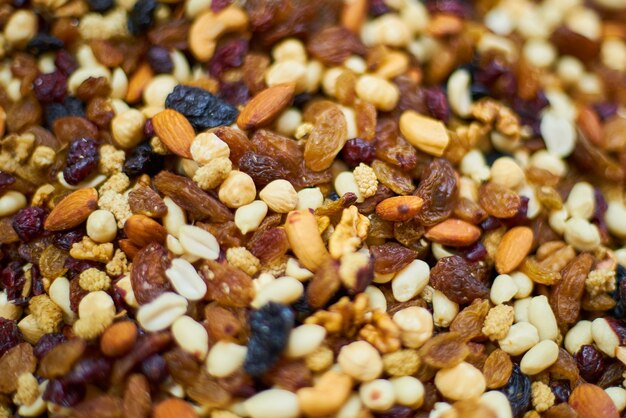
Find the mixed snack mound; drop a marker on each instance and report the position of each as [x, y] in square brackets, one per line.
[296, 208]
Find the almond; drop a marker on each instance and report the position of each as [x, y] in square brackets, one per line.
[174, 408]
[265, 106]
[590, 125]
[590, 401]
[129, 248]
[142, 230]
[305, 239]
[454, 232]
[73, 210]
[138, 82]
[513, 248]
[118, 339]
[174, 131]
[399, 208]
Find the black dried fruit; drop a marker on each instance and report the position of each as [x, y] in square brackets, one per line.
[591, 363]
[201, 108]
[91, 370]
[143, 161]
[619, 294]
[65, 240]
[28, 222]
[154, 368]
[64, 394]
[100, 6]
[46, 343]
[458, 280]
[82, 160]
[159, 59]
[269, 330]
[10, 335]
[12, 280]
[141, 17]
[43, 42]
[518, 391]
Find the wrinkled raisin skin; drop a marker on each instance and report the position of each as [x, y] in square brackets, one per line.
[457, 279]
[518, 391]
[201, 108]
[438, 189]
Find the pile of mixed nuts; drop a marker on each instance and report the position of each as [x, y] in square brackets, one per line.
[331, 208]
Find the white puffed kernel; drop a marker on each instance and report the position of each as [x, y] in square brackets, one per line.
[520, 338]
[224, 358]
[410, 281]
[249, 217]
[191, 336]
[460, 382]
[503, 289]
[540, 357]
[304, 340]
[273, 403]
[377, 395]
[540, 315]
[577, 336]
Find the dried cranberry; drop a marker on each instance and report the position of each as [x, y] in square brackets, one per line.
[521, 216]
[64, 394]
[606, 109]
[36, 281]
[217, 5]
[65, 240]
[378, 8]
[76, 267]
[143, 161]
[65, 62]
[591, 363]
[82, 160]
[357, 151]
[148, 129]
[50, 87]
[42, 43]
[229, 55]
[436, 103]
[234, 93]
[10, 335]
[6, 180]
[28, 222]
[561, 390]
[47, 343]
[154, 368]
[475, 252]
[90, 370]
[160, 60]
[490, 224]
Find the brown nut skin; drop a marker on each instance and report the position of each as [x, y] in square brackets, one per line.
[513, 248]
[142, 230]
[174, 408]
[118, 339]
[73, 210]
[399, 208]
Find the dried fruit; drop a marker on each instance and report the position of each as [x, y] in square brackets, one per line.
[330, 133]
[392, 177]
[145, 201]
[497, 369]
[147, 275]
[566, 293]
[469, 322]
[458, 280]
[334, 44]
[61, 358]
[518, 391]
[498, 200]
[202, 109]
[444, 350]
[324, 284]
[226, 284]
[438, 189]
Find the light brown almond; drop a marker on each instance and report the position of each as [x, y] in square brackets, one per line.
[138, 82]
[513, 248]
[174, 408]
[590, 401]
[174, 131]
[266, 106]
[142, 230]
[399, 208]
[454, 232]
[305, 239]
[129, 248]
[73, 210]
[118, 339]
[590, 125]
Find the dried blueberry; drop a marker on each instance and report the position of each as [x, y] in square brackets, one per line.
[42, 43]
[65, 240]
[143, 161]
[141, 17]
[475, 252]
[54, 111]
[74, 106]
[82, 160]
[591, 363]
[517, 390]
[202, 109]
[50, 87]
[302, 308]
[64, 394]
[47, 343]
[154, 368]
[605, 109]
[357, 151]
[36, 281]
[89, 370]
[378, 8]
[100, 6]
[10, 335]
[28, 222]
[160, 60]
[269, 330]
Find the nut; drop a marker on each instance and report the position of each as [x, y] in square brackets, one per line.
[361, 361]
[273, 403]
[461, 382]
[127, 128]
[11, 202]
[209, 26]
[280, 196]
[118, 339]
[207, 147]
[285, 290]
[174, 131]
[264, 107]
[186, 280]
[513, 248]
[198, 242]
[101, 226]
[305, 239]
[381, 93]
[142, 230]
[249, 217]
[304, 340]
[416, 324]
[399, 208]
[225, 358]
[72, 210]
[408, 391]
[161, 312]
[424, 133]
[541, 316]
[174, 407]
[591, 401]
[328, 395]
[540, 357]
[191, 336]
[454, 232]
[377, 395]
[237, 190]
[410, 281]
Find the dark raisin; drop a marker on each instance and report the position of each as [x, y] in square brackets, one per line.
[82, 160]
[65, 240]
[13, 280]
[143, 161]
[357, 151]
[148, 129]
[74, 106]
[154, 368]
[42, 43]
[160, 60]
[201, 108]
[262, 168]
[28, 222]
[520, 217]
[234, 93]
[141, 17]
[50, 87]
[229, 55]
[61, 393]
[591, 363]
[436, 103]
[10, 335]
[438, 188]
[561, 390]
[453, 7]
[620, 292]
[36, 281]
[475, 252]
[65, 62]
[269, 330]
[605, 109]
[217, 5]
[458, 280]
[91, 370]
[100, 6]
[6, 180]
[47, 343]
[378, 8]
[490, 224]
[517, 390]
